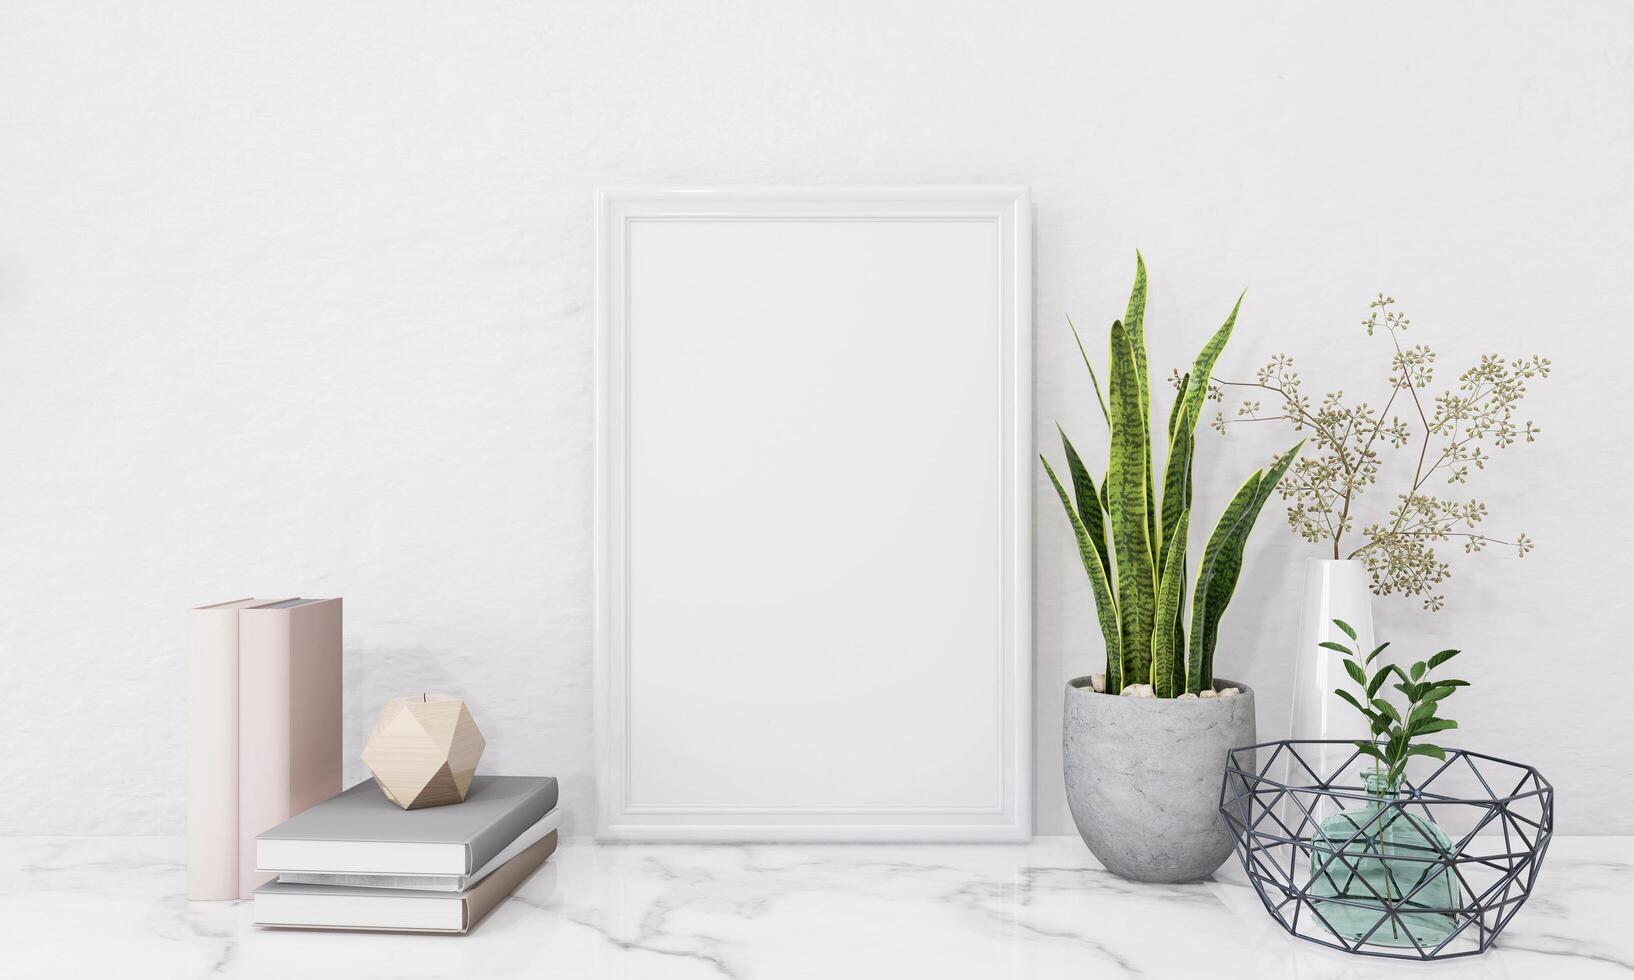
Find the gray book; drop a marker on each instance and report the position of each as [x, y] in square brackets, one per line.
[283, 905]
[362, 832]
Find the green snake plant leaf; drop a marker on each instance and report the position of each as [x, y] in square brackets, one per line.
[1128, 465]
[1202, 370]
[1168, 655]
[1179, 401]
[1222, 561]
[1214, 566]
[1134, 323]
[1134, 327]
[1090, 510]
[1176, 501]
[1094, 382]
[1176, 473]
[1106, 605]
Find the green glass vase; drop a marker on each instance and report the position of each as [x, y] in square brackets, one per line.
[1381, 858]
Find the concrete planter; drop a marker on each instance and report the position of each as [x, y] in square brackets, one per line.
[1143, 778]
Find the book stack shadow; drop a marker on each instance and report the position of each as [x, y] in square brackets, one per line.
[358, 861]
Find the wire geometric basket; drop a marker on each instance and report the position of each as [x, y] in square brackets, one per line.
[1434, 870]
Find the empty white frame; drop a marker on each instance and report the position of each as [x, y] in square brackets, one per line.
[813, 514]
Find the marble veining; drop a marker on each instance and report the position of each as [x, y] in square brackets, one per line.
[88, 907]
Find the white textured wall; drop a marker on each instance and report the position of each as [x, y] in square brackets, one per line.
[297, 297]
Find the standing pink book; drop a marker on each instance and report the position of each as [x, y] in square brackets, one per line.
[289, 718]
[212, 750]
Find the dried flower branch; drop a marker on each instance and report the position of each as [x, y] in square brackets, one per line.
[1453, 432]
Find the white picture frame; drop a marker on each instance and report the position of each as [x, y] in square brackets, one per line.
[813, 520]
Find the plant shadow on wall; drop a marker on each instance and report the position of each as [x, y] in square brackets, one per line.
[1142, 768]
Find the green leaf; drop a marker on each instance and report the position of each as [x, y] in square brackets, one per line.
[1179, 401]
[1418, 670]
[1453, 682]
[1222, 561]
[1346, 629]
[1134, 324]
[1442, 658]
[1386, 708]
[1093, 381]
[1106, 606]
[1351, 700]
[1176, 500]
[1436, 693]
[1165, 655]
[1355, 672]
[1371, 750]
[1134, 327]
[1176, 474]
[1380, 677]
[1376, 651]
[1126, 479]
[1435, 725]
[1336, 647]
[1202, 369]
[1089, 502]
[1421, 714]
[1434, 751]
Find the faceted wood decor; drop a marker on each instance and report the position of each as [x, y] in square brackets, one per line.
[424, 750]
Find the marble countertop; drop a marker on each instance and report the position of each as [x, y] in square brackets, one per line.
[86, 907]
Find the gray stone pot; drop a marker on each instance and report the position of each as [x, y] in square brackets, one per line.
[1144, 774]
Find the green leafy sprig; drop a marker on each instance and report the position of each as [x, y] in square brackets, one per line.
[1394, 733]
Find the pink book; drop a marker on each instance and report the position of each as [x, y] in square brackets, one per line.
[289, 718]
[212, 750]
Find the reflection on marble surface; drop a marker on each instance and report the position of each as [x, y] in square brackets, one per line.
[95, 906]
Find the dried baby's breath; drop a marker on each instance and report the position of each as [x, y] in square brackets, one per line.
[1454, 430]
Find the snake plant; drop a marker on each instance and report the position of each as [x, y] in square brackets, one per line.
[1133, 542]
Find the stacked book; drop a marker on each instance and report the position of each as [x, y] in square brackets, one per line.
[358, 861]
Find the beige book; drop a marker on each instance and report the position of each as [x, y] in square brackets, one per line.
[289, 718]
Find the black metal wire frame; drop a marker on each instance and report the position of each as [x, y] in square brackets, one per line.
[1278, 858]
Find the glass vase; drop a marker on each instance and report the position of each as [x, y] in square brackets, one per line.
[1379, 859]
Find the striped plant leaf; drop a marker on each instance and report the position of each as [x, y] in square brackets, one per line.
[1176, 472]
[1134, 326]
[1168, 650]
[1094, 382]
[1222, 561]
[1106, 605]
[1130, 509]
[1179, 399]
[1202, 370]
[1088, 497]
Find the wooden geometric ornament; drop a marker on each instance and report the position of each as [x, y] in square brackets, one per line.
[423, 751]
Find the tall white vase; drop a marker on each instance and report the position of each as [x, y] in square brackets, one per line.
[1334, 589]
